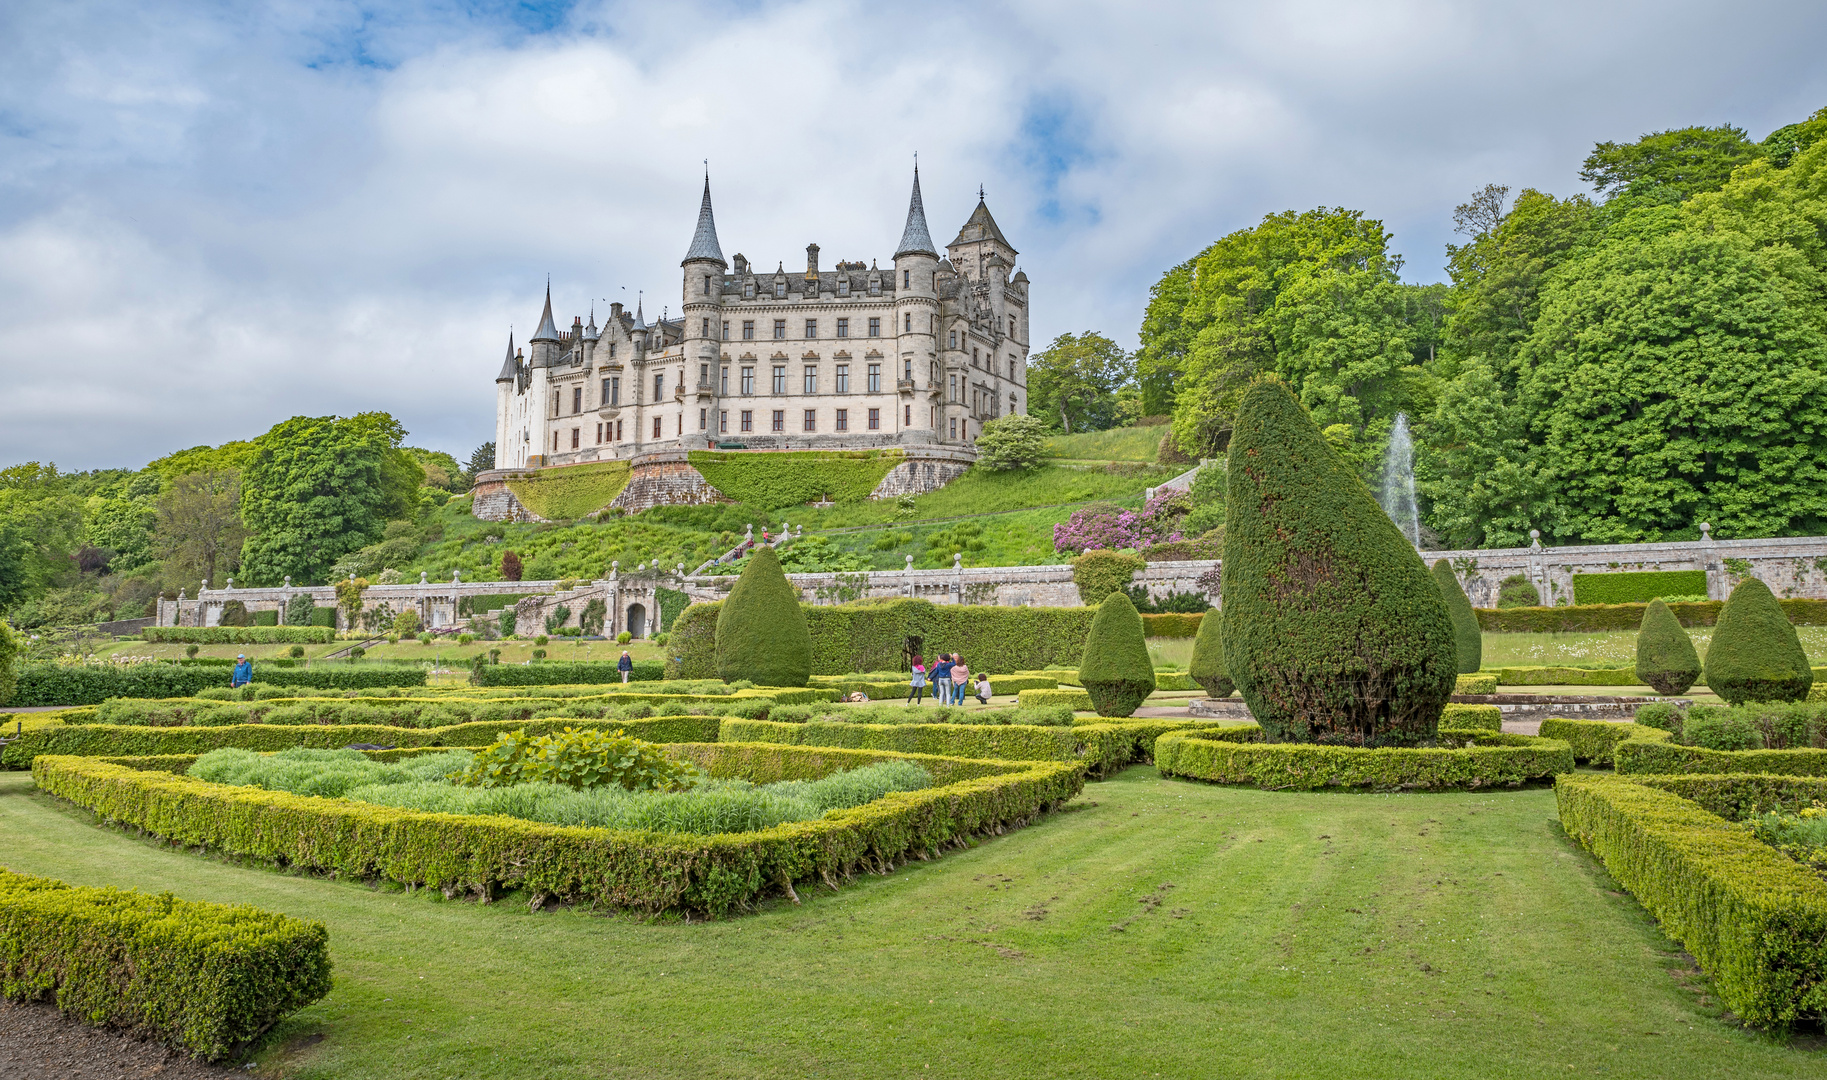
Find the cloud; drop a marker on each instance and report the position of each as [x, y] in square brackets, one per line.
[214, 217]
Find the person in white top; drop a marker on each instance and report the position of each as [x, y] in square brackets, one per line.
[983, 689]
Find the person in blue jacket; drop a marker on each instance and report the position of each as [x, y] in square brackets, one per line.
[625, 665]
[244, 671]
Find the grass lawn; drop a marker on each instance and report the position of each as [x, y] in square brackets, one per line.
[1608, 648]
[1154, 928]
[1117, 444]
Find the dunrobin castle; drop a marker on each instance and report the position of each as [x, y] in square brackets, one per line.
[917, 355]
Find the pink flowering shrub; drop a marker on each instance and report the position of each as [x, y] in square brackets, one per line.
[1102, 527]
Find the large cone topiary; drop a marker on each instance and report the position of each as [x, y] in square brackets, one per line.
[1666, 659]
[1468, 638]
[1755, 654]
[1334, 630]
[1207, 668]
[761, 631]
[1116, 670]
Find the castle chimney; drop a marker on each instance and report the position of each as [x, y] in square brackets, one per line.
[811, 262]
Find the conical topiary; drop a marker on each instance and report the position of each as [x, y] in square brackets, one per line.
[1334, 630]
[1116, 670]
[1468, 638]
[1755, 654]
[1666, 659]
[1207, 668]
[761, 631]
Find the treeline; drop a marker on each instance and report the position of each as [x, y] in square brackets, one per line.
[313, 498]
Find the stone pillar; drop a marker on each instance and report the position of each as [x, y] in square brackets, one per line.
[1537, 575]
[1709, 561]
[957, 577]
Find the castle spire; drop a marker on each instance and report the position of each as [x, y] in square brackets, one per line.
[704, 242]
[915, 238]
[509, 369]
[548, 331]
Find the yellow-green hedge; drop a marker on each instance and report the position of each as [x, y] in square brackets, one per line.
[570, 491]
[205, 978]
[1480, 717]
[1076, 700]
[1754, 919]
[1564, 676]
[1475, 684]
[1651, 755]
[616, 869]
[1103, 748]
[1595, 740]
[889, 691]
[1498, 760]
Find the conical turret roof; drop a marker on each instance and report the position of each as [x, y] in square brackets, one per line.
[981, 226]
[548, 331]
[640, 324]
[704, 242]
[916, 239]
[509, 370]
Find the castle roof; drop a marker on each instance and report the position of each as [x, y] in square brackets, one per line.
[704, 241]
[915, 238]
[981, 226]
[508, 368]
[547, 331]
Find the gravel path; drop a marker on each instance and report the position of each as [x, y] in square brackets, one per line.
[39, 1043]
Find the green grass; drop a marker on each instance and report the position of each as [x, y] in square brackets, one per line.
[1117, 444]
[1610, 648]
[979, 492]
[1155, 927]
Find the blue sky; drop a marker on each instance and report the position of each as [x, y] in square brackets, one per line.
[215, 216]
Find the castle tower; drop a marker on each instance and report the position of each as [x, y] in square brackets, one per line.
[916, 318]
[703, 267]
[504, 400]
[547, 346]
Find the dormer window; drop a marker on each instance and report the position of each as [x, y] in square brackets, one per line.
[780, 290]
[875, 286]
[843, 285]
[748, 290]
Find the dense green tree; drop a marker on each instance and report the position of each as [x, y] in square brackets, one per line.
[761, 632]
[1755, 654]
[1166, 340]
[1666, 659]
[9, 652]
[1116, 669]
[1468, 637]
[199, 531]
[1782, 145]
[1207, 665]
[1010, 443]
[481, 460]
[1669, 165]
[1073, 382]
[1334, 629]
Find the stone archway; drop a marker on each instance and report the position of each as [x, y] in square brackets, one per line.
[637, 620]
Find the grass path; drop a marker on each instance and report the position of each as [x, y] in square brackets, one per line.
[1158, 928]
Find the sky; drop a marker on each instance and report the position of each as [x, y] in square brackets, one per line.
[214, 216]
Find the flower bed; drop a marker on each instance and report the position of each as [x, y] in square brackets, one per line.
[1596, 740]
[1754, 919]
[637, 871]
[1497, 760]
[206, 978]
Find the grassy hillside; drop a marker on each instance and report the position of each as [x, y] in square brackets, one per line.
[1117, 444]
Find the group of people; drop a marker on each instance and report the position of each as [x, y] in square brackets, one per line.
[950, 679]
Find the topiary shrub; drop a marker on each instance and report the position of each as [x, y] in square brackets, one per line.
[1100, 572]
[1755, 654]
[1666, 659]
[408, 624]
[761, 631]
[1468, 639]
[511, 567]
[1116, 670]
[296, 652]
[234, 613]
[1517, 591]
[1334, 630]
[1207, 667]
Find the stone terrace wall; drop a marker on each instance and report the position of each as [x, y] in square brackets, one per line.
[665, 478]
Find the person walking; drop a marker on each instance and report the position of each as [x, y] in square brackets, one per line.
[625, 665]
[942, 679]
[916, 687]
[243, 673]
[961, 676]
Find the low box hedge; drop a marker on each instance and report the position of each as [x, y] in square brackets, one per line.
[1594, 740]
[1592, 617]
[647, 872]
[205, 978]
[91, 684]
[109, 740]
[1650, 755]
[1736, 796]
[1104, 748]
[568, 672]
[1076, 700]
[1172, 624]
[1564, 676]
[1497, 761]
[1754, 919]
[240, 635]
[1475, 717]
[1636, 586]
[1475, 684]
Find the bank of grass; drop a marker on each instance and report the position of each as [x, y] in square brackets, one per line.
[1611, 648]
[1154, 927]
[1117, 444]
[981, 492]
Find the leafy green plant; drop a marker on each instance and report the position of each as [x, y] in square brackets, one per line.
[1207, 666]
[1755, 654]
[1116, 670]
[1468, 639]
[1100, 572]
[595, 613]
[191, 651]
[1517, 591]
[296, 652]
[623, 638]
[577, 759]
[1666, 659]
[1009, 443]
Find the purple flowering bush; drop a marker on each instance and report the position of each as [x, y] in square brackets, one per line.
[1093, 527]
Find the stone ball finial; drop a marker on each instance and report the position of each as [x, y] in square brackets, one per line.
[910, 562]
[456, 576]
[203, 586]
[421, 577]
[957, 560]
[288, 581]
[1706, 531]
[231, 583]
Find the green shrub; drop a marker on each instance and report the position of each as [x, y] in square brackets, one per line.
[9, 676]
[1334, 630]
[239, 635]
[1719, 729]
[91, 684]
[1468, 639]
[792, 478]
[1100, 572]
[234, 613]
[1472, 717]
[1116, 670]
[567, 673]
[1564, 676]
[1517, 591]
[1661, 715]
[1594, 740]
[1666, 659]
[1012, 442]
[623, 638]
[1207, 666]
[1633, 756]
[1755, 654]
[1077, 700]
[204, 978]
[761, 632]
[269, 617]
[1499, 760]
[324, 617]
[296, 652]
[1755, 920]
[1475, 684]
[407, 624]
[645, 872]
[1636, 586]
[1171, 624]
[1103, 748]
[578, 758]
[1595, 617]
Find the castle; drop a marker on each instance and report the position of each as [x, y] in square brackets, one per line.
[919, 355]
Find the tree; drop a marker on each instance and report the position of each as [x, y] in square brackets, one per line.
[481, 460]
[1334, 630]
[1116, 669]
[1101, 572]
[1010, 443]
[198, 531]
[1666, 659]
[9, 652]
[1468, 637]
[1167, 339]
[1075, 380]
[1669, 165]
[1782, 145]
[761, 634]
[1755, 654]
[1207, 666]
[510, 566]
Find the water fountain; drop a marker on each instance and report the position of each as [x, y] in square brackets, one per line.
[1398, 497]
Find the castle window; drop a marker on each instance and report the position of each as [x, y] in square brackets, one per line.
[907, 279]
[612, 350]
[1011, 326]
[811, 421]
[1012, 409]
[811, 380]
[875, 379]
[618, 431]
[704, 376]
[577, 399]
[748, 290]
[974, 362]
[780, 378]
[681, 422]
[933, 372]
[780, 290]
[555, 442]
[951, 393]
[875, 328]
[954, 427]
[574, 435]
[659, 385]
[907, 416]
[843, 328]
[723, 380]
[875, 287]
[705, 332]
[843, 419]
[606, 392]
[907, 323]
[875, 419]
[748, 420]
[656, 427]
[748, 380]
[780, 329]
[811, 328]
[703, 419]
[780, 420]
[1011, 369]
[723, 421]
[748, 329]
[952, 340]
[599, 434]
[726, 329]
[843, 285]
[907, 369]
[843, 378]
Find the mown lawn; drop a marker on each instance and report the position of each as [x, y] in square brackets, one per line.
[1157, 928]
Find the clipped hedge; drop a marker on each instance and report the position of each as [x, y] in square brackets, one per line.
[1482, 683]
[1500, 761]
[1636, 586]
[1736, 796]
[1651, 755]
[1585, 617]
[565, 673]
[1563, 676]
[1472, 717]
[889, 691]
[1173, 624]
[205, 978]
[776, 479]
[91, 684]
[1754, 919]
[621, 870]
[1076, 700]
[1595, 740]
[1103, 748]
[240, 635]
